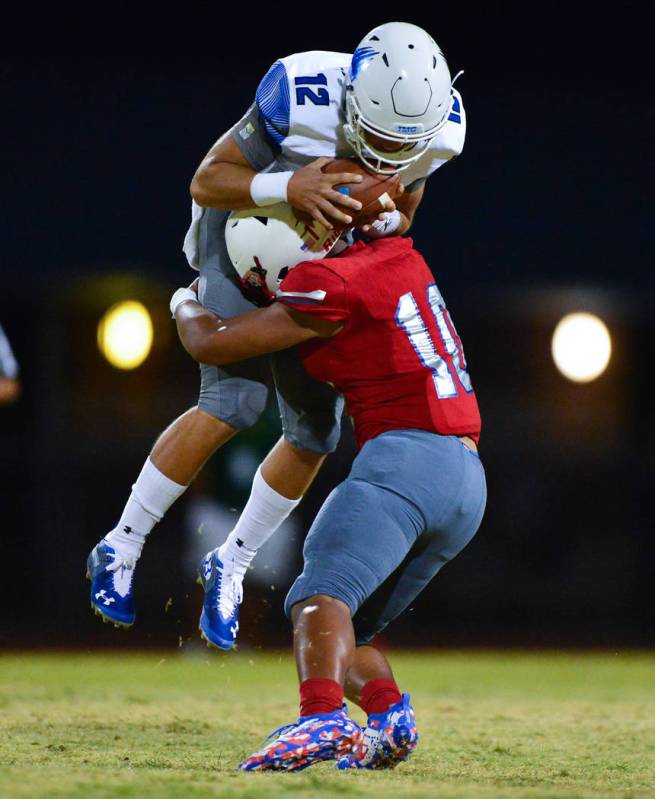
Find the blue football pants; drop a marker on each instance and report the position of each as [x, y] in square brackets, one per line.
[411, 502]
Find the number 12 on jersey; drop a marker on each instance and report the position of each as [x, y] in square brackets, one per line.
[318, 96]
[409, 318]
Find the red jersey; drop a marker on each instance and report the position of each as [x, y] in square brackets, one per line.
[398, 359]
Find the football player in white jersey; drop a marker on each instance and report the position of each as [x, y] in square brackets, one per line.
[392, 105]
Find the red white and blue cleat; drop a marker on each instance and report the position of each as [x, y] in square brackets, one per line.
[219, 620]
[311, 739]
[388, 739]
[111, 585]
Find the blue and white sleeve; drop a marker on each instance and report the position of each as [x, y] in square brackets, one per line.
[8, 364]
[272, 100]
[261, 131]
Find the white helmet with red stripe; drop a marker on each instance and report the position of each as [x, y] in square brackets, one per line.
[399, 94]
[265, 243]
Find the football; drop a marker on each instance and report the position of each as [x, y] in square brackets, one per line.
[373, 192]
[265, 243]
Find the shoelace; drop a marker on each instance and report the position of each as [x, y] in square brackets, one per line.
[231, 593]
[118, 562]
[285, 727]
[280, 731]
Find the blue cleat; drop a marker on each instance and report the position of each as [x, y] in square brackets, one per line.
[111, 585]
[219, 620]
[388, 739]
[311, 739]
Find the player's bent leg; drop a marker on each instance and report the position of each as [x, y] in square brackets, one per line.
[185, 447]
[453, 514]
[177, 456]
[359, 537]
[227, 403]
[278, 486]
[368, 665]
[290, 470]
[324, 645]
[311, 414]
[390, 734]
[310, 411]
[238, 398]
[356, 541]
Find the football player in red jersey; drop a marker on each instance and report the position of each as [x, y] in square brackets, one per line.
[373, 323]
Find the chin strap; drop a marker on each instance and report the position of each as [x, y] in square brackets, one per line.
[452, 82]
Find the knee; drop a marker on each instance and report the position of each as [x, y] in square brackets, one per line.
[319, 443]
[310, 593]
[305, 611]
[237, 403]
[317, 431]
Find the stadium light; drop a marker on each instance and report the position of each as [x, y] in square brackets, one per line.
[125, 334]
[581, 347]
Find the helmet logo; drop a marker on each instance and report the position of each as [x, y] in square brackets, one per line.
[360, 57]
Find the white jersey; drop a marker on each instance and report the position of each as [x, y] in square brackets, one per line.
[302, 102]
[298, 116]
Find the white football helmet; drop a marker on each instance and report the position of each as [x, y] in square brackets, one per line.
[265, 243]
[400, 91]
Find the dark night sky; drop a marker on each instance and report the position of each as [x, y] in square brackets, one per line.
[108, 112]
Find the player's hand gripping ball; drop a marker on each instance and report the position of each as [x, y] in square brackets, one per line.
[265, 243]
[376, 192]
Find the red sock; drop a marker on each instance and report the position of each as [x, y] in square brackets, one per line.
[377, 696]
[320, 696]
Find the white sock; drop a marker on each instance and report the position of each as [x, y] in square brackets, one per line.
[264, 513]
[152, 495]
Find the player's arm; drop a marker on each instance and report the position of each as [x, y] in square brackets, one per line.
[225, 178]
[407, 204]
[212, 340]
[231, 175]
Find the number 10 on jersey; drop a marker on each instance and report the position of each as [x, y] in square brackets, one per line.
[409, 318]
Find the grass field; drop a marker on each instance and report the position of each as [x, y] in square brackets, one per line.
[491, 725]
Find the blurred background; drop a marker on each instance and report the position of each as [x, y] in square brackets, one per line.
[107, 112]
